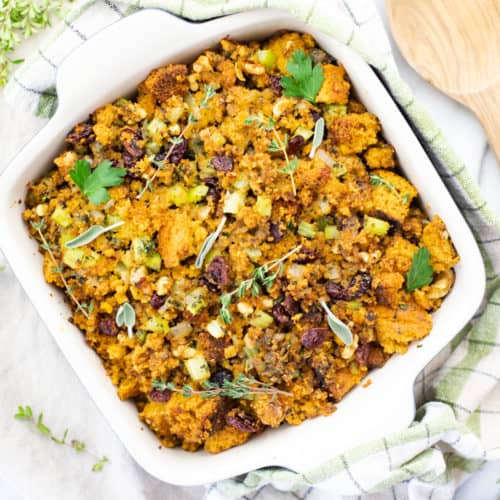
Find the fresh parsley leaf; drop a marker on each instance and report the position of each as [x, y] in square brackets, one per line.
[93, 183]
[80, 173]
[421, 272]
[304, 80]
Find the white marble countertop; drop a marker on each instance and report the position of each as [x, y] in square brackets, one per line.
[463, 131]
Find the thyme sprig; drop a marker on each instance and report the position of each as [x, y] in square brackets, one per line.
[20, 19]
[262, 276]
[209, 93]
[242, 387]
[26, 413]
[278, 144]
[58, 268]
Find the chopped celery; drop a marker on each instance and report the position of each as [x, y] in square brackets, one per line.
[234, 202]
[261, 319]
[141, 248]
[194, 301]
[267, 58]
[331, 232]
[62, 216]
[354, 305]
[154, 261]
[264, 206]
[197, 193]
[254, 254]
[197, 367]
[215, 329]
[305, 133]
[65, 237]
[336, 110]
[211, 255]
[111, 219]
[153, 147]
[306, 229]
[156, 324]
[75, 257]
[178, 195]
[376, 226]
[155, 126]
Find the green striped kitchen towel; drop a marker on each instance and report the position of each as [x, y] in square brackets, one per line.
[456, 429]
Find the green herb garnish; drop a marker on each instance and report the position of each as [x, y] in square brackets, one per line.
[93, 183]
[58, 268]
[242, 387]
[125, 316]
[319, 134]
[261, 277]
[208, 244]
[26, 413]
[338, 327]
[421, 271]
[304, 81]
[377, 180]
[91, 234]
[19, 20]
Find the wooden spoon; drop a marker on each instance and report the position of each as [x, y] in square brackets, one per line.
[455, 45]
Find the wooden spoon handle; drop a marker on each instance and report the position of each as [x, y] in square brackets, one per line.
[486, 106]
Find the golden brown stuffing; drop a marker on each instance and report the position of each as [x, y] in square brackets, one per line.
[200, 143]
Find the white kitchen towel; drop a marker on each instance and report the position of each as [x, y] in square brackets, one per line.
[452, 435]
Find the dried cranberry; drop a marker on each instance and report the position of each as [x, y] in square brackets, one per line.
[336, 291]
[360, 284]
[276, 234]
[213, 188]
[178, 151]
[313, 316]
[81, 135]
[314, 337]
[132, 153]
[381, 295]
[211, 181]
[281, 315]
[242, 422]
[218, 271]
[220, 376]
[316, 115]
[107, 326]
[160, 396]
[276, 85]
[290, 305]
[223, 163]
[295, 145]
[306, 255]
[362, 353]
[157, 300]
[211, 286]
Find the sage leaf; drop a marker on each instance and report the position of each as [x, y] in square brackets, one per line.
[319, 134]
[91, 234]
[208, 244]
[338, 327]
[125, 316]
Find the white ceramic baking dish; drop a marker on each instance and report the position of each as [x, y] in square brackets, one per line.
[110, 65]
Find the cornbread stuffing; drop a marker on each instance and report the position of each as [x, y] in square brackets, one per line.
[254, 166]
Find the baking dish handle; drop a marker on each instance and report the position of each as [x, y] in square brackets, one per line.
[87, 77]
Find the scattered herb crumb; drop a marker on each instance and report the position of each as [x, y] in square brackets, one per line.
[421, 271]
[26, 413]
